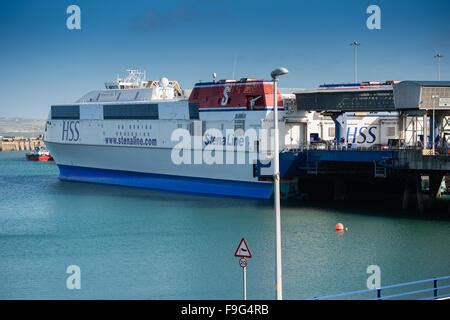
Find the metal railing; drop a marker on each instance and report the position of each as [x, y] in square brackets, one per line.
[348, 148]
[431, 289]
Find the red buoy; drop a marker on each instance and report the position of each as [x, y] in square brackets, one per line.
[340, 227]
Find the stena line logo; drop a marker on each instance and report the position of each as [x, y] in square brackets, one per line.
[70, 131]
[225, 97]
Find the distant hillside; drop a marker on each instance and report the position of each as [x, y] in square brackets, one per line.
[21, 126]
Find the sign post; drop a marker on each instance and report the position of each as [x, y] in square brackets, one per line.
[243, 264]
[243, 252]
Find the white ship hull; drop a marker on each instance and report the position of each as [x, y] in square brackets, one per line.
[153, 169]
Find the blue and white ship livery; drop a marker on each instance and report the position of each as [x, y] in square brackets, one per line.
[122, 135]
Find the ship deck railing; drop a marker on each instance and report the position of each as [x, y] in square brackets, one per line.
[429, 289]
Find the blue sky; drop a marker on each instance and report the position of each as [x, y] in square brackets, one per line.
[43, 62]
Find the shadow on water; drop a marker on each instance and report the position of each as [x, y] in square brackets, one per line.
[370, 208]
[374, 207]
[100, 190]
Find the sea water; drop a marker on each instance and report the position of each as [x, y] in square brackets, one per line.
[142, 244]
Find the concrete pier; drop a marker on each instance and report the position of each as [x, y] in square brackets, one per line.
[404, 176]
[19, 143]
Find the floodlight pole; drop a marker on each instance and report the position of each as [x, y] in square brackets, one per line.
[439, 57]
[356, 44]
[276, 179]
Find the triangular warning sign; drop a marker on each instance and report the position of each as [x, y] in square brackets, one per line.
[243, 251]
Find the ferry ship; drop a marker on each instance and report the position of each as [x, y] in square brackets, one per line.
[124, 134]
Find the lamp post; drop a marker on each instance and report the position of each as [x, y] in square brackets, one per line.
[434, 123]
[356, 44]
[276, 179]
[439, 57]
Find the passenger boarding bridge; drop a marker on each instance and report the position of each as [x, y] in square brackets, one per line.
[420, 105]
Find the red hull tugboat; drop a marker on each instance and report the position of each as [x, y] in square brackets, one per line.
[39, 154]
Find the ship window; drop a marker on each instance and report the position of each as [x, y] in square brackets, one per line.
[65, 112]
[193, 111]
[131, 111]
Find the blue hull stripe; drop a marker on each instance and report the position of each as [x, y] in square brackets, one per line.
[240, 189]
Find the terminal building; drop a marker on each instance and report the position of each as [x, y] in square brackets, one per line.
[400, 113]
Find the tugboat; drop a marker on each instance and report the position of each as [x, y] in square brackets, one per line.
[39, 154]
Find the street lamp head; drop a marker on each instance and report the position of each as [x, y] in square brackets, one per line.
[279, 72]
